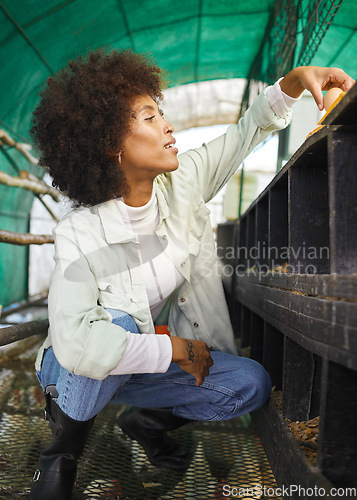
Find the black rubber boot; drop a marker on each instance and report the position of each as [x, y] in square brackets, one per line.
[148, 427]
[57, 467]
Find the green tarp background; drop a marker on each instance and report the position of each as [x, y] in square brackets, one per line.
[193, 40]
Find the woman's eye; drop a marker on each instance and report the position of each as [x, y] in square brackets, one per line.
[150, 118]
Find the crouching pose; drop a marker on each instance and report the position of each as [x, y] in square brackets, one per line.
[136, 257]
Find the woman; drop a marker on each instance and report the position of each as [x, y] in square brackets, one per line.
[137, 253]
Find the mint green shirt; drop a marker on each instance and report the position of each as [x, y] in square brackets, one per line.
[98, 260]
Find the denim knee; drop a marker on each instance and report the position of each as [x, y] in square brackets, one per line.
[248, 381]
[50, 367]
[124, 320]
[260, 385]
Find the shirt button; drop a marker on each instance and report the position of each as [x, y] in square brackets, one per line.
[183, 263]
[183, 299]
[164, 237]
[196, 325]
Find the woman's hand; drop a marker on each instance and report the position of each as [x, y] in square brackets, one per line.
[315, 79]
[193, 356]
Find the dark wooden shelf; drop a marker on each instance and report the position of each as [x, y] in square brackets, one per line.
[325, 326]
[293, 299]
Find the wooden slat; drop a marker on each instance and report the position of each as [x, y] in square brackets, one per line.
[342, 146]
[326, 327]
[337, 451]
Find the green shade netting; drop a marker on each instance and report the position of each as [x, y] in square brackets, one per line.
[193, 40]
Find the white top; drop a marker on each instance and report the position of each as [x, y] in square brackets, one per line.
[160, 275]
[146, 353]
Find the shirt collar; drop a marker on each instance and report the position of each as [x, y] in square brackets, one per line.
[112, 221]
[162, 200]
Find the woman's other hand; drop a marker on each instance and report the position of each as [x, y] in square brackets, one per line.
[193, 356]
[315, 79]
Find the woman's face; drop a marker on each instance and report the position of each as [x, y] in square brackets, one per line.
[148, 149]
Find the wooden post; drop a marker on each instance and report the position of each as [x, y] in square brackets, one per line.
[245, 327]
[261, 236]
[309, 218]
[337, 450]
[273, 354]
[301, 382]
[278, 223]
[256, 337]
[250, 237]
[342, 159]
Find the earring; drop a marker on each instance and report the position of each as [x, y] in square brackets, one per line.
[119, 158]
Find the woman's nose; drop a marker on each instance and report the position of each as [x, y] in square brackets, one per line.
[169, 128]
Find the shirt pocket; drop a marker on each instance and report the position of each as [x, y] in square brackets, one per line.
[197, 223]
[112, 297]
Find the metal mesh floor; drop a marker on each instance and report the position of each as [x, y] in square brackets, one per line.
[113, 466]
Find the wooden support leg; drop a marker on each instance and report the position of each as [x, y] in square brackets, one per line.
[256, 337]
[235, 318]
[308, 220]
[299, 387]
[342, 149]
[273, 354]
[337, 450]
[245, 326]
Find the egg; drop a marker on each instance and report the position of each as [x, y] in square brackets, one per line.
[331, 96]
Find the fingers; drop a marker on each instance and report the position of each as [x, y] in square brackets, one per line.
[340, 79]
[317, 79]
[206, 369]
[200, 378]
[347, 84]
[210, 361]
[316, 92]
[207, 364]
[193, 356]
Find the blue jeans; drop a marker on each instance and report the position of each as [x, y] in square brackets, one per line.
[234, 386]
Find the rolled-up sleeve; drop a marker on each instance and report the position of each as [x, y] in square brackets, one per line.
[214, 163]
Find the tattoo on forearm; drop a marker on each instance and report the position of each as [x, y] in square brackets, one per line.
[191, 354]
